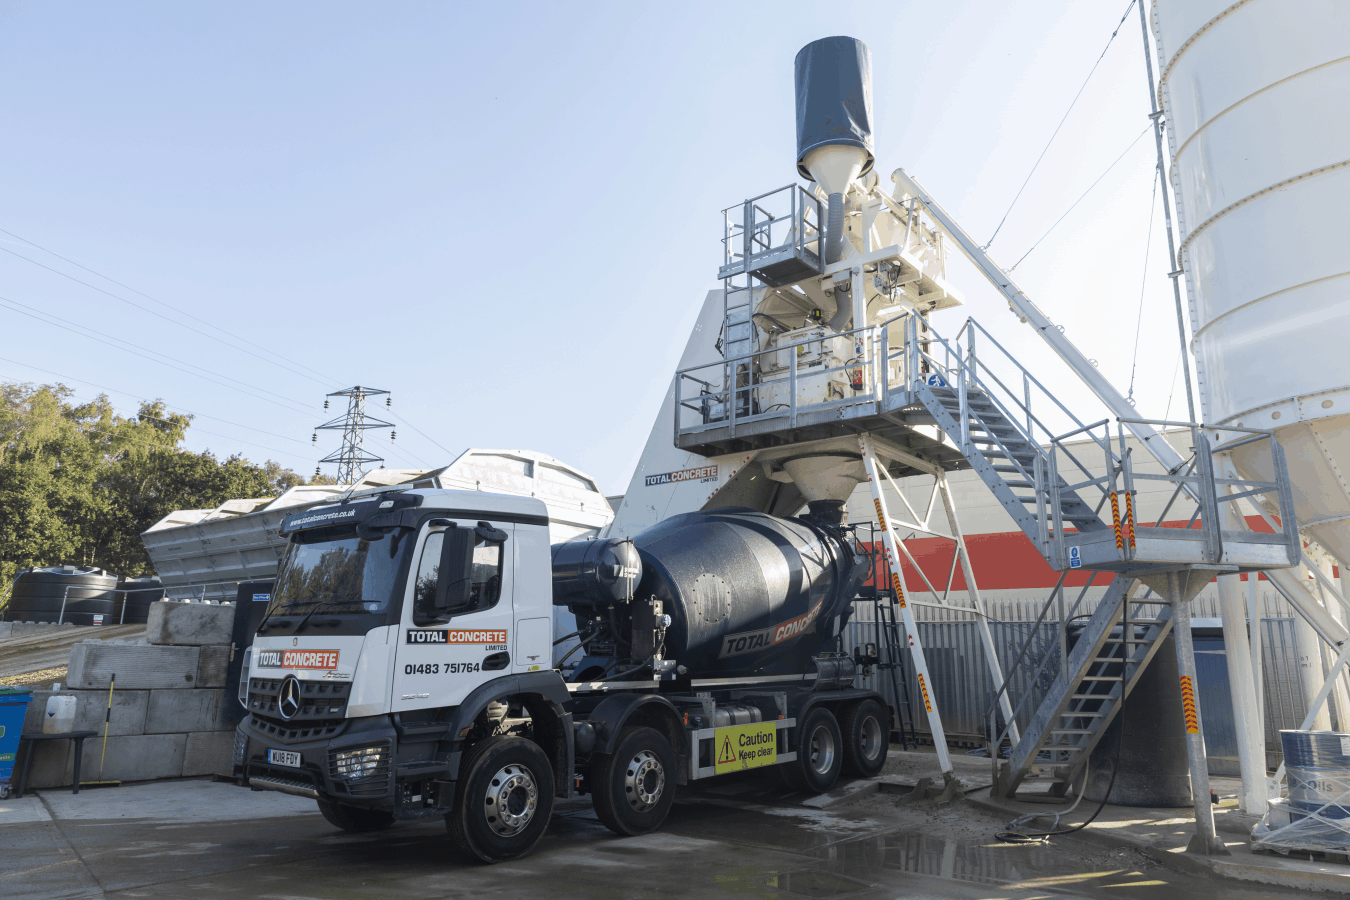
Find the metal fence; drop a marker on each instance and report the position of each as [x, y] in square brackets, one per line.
[964, 691]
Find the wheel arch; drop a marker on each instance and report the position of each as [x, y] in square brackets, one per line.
[615, 713]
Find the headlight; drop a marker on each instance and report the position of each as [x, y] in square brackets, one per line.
[353, 765]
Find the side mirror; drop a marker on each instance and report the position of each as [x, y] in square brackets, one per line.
[453, 581]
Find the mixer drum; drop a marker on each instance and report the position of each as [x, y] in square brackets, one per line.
[746, 591]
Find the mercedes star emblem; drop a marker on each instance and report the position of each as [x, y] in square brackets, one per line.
[295, 642]
[288, 701]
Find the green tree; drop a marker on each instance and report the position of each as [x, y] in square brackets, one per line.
[79, 484]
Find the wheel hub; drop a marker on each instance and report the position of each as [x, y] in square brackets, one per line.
[511, 800]
[822, 750]
[644, 781]
[871, 738]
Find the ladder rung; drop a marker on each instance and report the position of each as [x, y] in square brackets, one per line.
[1101, 677]
[1083, 715]
[1072, 731]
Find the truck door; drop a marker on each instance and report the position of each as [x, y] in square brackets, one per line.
[439, 664]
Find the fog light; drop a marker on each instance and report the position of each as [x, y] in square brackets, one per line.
[356, 764]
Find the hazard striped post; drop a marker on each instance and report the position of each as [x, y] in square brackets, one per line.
[889, 540]
[1115, 522]
[1129, 521]
[1206, 840]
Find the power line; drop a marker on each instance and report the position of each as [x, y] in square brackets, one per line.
[1081, 198]
[416, 429]
[1059, 126]
[147, 400]
[74, 330]
[1143, 282]
[329, 379]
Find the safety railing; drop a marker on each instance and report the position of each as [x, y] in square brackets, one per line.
[822, 370]
[786, 220]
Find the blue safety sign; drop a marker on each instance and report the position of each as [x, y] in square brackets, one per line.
[1074, 561]
[936, 380]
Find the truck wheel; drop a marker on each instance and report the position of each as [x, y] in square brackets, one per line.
[504, 800]
[634, 786]
[355, 818]
[819, 755]
[866, 728]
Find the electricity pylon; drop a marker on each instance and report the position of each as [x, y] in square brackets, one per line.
[352, 458]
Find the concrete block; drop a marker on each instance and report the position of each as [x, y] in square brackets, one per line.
[212, 666]
[209, 753]
[45, 629]
[133, 757]
[6, 630]
[137, 666]
[177, 711]
[189, 624]
[128, 711]
[50, 765]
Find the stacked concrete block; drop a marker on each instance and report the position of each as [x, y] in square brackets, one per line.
[166, 703]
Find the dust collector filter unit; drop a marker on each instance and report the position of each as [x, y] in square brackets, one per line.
[834, 98]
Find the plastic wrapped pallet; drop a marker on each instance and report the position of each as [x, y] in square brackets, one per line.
[1314, 814]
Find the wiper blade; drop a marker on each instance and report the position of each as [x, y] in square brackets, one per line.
[318, 606]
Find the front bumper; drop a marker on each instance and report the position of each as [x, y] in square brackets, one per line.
[409, 780]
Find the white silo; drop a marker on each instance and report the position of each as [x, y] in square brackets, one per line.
[1255, 94]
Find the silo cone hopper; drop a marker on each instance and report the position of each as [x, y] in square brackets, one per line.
[826, 481]
[834, 124]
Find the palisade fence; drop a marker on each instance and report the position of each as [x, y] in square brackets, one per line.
[964, 690]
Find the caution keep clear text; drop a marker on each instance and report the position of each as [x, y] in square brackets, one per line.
[746, 746]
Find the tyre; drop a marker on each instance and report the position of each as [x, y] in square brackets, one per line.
[634, 786]
[819, 753]
[355, 818]
[504, 800]
[866, 730]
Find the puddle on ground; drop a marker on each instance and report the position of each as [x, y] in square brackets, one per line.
[1048, 868]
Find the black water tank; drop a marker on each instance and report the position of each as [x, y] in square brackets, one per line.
[87, 592]
[746, 590]
[134, 596]
[1154, 766]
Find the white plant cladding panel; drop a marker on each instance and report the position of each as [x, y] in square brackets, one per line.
[1255, 94]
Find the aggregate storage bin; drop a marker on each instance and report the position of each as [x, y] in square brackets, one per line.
[13, 705]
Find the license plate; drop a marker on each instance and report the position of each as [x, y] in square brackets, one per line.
[284, 758]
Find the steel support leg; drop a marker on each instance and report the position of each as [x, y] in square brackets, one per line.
[889, 541]
[1206, 841]
[981, 620]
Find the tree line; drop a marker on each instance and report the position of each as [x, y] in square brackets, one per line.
[79, 483]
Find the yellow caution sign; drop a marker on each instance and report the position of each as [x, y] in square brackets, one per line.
[746, 746]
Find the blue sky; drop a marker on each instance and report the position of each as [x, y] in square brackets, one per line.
[508, 214]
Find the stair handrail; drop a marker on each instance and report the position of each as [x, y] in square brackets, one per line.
[1057, 593]
[968, 369]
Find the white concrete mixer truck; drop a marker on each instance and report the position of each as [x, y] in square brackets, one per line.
[403, 668]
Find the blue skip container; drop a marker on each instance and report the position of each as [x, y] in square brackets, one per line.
[13, 706]
[1317, 768]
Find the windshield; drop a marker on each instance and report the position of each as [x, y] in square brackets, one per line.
[334, 567]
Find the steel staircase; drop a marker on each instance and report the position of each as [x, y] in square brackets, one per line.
[1008, 462]
[1019, 463]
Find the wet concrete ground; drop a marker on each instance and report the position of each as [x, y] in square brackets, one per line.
[199, 839]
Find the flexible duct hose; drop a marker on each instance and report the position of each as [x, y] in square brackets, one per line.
[843, 309]
[834, 229]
